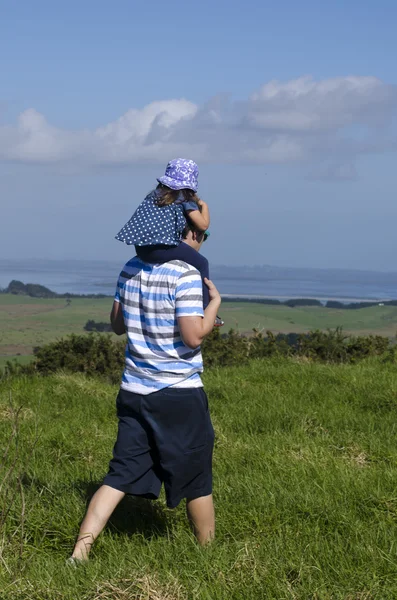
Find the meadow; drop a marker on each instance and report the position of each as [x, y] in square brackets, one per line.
[28, 322]
[305, 486]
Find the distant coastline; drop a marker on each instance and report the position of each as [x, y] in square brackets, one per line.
[92, 278]
[35, 290]
[321, 299]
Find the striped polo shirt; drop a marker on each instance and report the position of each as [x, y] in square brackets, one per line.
[152, 297]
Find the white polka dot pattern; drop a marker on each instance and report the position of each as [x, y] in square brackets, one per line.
[152, 224]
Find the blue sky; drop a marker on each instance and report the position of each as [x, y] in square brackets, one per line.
[289, 108]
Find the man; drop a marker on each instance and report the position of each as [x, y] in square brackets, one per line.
[165, 433]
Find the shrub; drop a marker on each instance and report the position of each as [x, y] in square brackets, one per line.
[327, 346]
[371, 345]
[93, 354]
[270, 301]
[271, 345]
[225, 350]
[358, 305]
[333, 346]
[391, 355]
[99, 354]
[100, 326]
[302, 302]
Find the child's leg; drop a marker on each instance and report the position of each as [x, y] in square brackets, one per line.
[162, 254]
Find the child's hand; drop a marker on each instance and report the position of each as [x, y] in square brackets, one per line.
[201, 203]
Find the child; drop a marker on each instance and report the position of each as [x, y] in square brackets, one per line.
[156, 226]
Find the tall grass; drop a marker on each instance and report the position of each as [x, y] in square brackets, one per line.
[305, 485]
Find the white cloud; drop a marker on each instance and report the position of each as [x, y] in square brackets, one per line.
[306, 105]
[299, 120]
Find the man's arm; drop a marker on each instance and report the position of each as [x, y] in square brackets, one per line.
[194, 329]
[116, 318]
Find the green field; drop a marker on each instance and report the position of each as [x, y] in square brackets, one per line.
[246, 315]
[28, 322]
[305, 486]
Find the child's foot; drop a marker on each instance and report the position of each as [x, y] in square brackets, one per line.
[218, 322]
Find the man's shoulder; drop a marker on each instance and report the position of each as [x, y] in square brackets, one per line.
[133, 265]
[179, 268]
[172, 269]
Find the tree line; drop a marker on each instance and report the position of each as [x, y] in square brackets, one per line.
[35, 290]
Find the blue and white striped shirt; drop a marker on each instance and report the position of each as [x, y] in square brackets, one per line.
[152, 297]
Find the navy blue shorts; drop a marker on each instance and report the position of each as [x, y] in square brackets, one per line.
[165, 437]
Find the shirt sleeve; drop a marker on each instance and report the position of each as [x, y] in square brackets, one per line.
[189, 295]
[189, 206]
[118, 288]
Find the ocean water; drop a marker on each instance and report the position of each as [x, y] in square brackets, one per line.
[99, 277]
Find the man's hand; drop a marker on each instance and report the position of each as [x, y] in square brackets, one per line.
[213, 292]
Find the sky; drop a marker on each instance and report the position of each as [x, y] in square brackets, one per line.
[288, 108]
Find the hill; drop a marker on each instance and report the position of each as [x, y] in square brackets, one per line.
[305, 478]
[27, 322]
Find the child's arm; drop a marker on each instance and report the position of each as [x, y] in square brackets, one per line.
[200, 219]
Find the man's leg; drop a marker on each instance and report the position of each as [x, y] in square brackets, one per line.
[201, 515]
[102, 505]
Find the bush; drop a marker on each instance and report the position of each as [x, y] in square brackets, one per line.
[271, 345]
[391, 355]
[358, 305]
[274, 301]
[302, 302]
[225, 350]
[333, 346]
[100, 326]
[270, 301]
[99, 354]
[329, 346]
[93, 354]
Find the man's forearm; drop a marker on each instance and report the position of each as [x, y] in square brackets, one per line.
[116, 319]
[209, 318]
[194, 329]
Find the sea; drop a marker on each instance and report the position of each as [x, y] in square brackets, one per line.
[262, 281]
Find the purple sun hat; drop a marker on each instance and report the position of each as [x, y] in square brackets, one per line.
[180, 173]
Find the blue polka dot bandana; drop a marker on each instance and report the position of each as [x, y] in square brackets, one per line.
[181, 173]
[152, 224]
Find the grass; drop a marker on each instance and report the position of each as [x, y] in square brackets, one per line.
[245, 316]
[305, 485]
[22, 359]
[28, 322]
